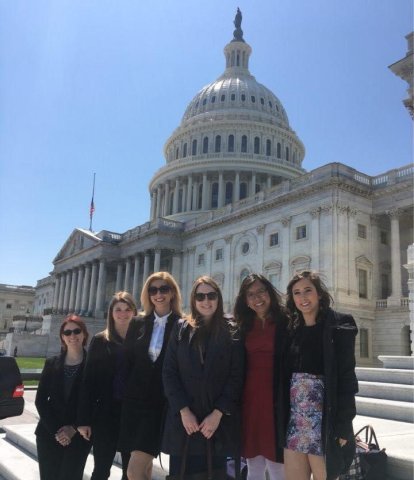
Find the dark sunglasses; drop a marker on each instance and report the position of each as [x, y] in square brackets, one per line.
[75, 331]
[201, 296]
[154, 290]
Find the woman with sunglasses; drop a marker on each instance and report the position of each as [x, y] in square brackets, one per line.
[103, 386]
[144, 401]
[203, 380]
[61, 451]
[319, 383]
[262, 322]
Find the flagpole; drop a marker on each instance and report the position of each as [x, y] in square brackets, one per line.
[92, 207]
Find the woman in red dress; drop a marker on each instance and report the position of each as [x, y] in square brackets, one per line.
[262, 321]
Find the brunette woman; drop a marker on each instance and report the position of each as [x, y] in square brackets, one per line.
[320, 374]
[144, 401]
[262, 321]
[61, 451]
[103, 387]
[203, 379]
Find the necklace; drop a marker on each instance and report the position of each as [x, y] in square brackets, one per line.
[70, 371]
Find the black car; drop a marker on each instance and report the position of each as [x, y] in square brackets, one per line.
[11, 388]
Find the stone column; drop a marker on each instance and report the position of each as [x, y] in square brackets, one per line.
[269, 181]
[92, 289]
[135, 282]
[158, 207]
[195, 195]
[286, 253]
[260, 229]
[118, 282]
[189, 274]
[189, 192]
[209, 246]
[73, 285]
[175, 197]
[146, 267]
[204, 204]
[220, 202]
[86, 289]
[67, 292]
[100, 290]
[152, 214]
[176, 266]
[410, 267]
[127, 275]
[157, 260]
[62, 287]
[375, 241]
[227, 287]
[253, 184]
[55, 304]
[236, 192]
[184, 279]
[166, 210]
[315, 238]
[79, 290]
[395, 298]
[352, 236]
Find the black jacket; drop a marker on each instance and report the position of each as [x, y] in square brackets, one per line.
[341, 385]
[96, 395]
[216, 384]
[54, 410]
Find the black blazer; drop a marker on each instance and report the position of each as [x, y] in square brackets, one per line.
[96, 394]
[216, 384]
[144, 383]
[54, 410]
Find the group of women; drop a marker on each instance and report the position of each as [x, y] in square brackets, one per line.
[274, 384]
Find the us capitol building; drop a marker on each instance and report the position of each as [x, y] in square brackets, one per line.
[233, 198]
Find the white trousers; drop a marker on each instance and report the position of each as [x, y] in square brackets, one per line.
[257, 466]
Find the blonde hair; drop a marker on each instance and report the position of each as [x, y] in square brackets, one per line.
[146, 303]
[125, 297]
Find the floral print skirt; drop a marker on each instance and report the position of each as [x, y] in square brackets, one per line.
[304, 432]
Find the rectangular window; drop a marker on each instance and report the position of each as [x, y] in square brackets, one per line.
[383, 237]
[274, 239]
[385, 286]
[362, 283]
[201, 259]
[363, 343]
[300, 232]
[219, 254]
[9, 306]
[362, 231]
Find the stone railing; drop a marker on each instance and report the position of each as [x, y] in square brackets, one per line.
[383, 303]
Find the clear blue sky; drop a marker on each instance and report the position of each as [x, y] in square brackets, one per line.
[98, 86]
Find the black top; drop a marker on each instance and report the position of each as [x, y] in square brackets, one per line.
[306, 352]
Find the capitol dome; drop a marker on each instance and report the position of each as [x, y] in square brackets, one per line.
[234, 141]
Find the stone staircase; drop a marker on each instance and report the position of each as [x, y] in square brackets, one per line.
[386, 401]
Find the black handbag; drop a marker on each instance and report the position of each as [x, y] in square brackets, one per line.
[370, 461]
[209, 475]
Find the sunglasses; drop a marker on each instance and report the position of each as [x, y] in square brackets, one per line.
[163, 290]
[201, 296]
[75, 331]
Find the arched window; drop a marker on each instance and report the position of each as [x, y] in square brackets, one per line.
[213, 99]
[268, 148]
[180, 200]
[229, 193]
[279, 150]
[230, 143]
[244, 144]
[257, 188]
[205, 145]
[243, 190]
[185, 150]
[200, 196]
[217, 145]
[256, 145]
[170, 206]
[194, 148]
[177, 152]
[287, 153]
[214, 195]
[243, 97]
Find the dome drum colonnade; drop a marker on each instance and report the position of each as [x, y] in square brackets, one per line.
[234, 140]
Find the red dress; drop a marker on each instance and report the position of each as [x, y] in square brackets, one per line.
[258, 419]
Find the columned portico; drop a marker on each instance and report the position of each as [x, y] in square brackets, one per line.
[395, 297]
[127, 279]
[86, 289]
[118, 282]
[92, 289]
[157, 260]
[67, 292]
[100, 290]
[73, 285]
[135, 282]
[56, 293]
[79, 289]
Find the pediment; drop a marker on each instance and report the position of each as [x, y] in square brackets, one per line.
[78, 240]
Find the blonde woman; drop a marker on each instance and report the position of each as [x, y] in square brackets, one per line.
[102, 387]
[144, 400]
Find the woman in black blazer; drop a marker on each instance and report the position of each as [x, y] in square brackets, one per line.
[319, 383]
[203, 381]
[103, 385]
[61, 451]
[144, 400]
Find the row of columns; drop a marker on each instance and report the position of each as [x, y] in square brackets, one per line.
[160, 196]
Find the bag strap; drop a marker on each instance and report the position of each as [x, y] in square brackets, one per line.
[369, 435]
[184, 459]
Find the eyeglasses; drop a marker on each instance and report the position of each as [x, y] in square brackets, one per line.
[75, 331]
[201, 296]
[257, 293]
[154, 290]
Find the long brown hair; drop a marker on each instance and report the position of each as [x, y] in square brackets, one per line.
[110, 332]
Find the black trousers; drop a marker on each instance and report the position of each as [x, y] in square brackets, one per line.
[62, 463]
[105, 440]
